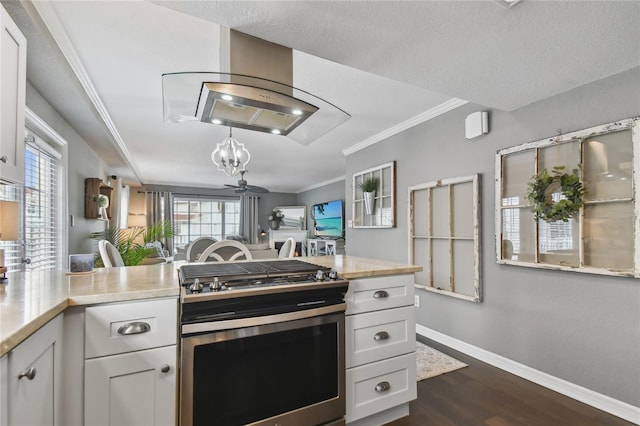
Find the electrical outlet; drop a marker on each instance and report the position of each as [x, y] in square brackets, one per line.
[416, 302]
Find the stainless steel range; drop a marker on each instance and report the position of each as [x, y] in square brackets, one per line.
[262, 344]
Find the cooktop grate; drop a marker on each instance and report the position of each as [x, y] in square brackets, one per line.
[246, 269]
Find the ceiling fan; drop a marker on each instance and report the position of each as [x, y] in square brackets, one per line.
[242, 186]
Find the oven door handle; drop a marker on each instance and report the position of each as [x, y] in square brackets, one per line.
[254, 321]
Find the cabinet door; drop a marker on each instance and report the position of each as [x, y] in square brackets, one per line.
[34, 370]
[13, 73]
[137, 388]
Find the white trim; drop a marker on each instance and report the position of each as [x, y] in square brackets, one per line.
[49, 16]
[434, 112]
[38, 125]
[602, 402]
[318, 185]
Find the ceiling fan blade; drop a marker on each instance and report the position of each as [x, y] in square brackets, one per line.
[228, 186]
[257, 189]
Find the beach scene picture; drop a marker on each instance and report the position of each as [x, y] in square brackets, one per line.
[328, 219]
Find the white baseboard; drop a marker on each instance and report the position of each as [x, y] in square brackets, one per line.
[602, 402]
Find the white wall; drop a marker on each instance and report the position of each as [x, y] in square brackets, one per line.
[579, 327]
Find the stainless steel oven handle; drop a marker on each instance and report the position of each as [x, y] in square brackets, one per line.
[269, 319]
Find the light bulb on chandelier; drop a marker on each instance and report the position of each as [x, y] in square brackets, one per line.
[230, 156]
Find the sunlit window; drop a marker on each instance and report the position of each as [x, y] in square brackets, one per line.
[204, 217]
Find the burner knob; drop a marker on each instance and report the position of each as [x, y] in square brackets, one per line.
[333, 274]
[319, 275]
[196, 287]
[215, 285]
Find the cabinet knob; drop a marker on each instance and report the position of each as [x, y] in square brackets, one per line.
[4, 159]
[381, 335]
[135, 327]
[380, 294]
[29, 374]
[165, 368]
[382, 387]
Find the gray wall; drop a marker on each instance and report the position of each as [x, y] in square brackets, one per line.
[579, 327]
[82, 163]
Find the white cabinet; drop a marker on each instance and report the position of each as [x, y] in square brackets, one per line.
[137, 388]
[13, 74]
[380, 346]
[130, 366]
[30, 384]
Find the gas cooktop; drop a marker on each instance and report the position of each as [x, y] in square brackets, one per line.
[217, 278]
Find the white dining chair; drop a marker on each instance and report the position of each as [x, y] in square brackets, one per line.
[288, 248]
[226, 250]
[110, 255]
[197, 246]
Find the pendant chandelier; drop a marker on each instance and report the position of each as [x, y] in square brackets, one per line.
[230, 156]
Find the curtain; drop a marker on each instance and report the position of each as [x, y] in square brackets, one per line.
[119, 204]
[159, 207]
[249, 218]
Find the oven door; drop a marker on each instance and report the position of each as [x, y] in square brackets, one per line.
[281, 372]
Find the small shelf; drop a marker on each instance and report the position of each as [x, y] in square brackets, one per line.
[93, 189]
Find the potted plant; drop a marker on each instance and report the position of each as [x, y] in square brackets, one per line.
[127, 241]
[369, 187]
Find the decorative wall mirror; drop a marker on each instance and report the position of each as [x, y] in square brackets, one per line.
[444, 236]
[295, 217]
[375, 206]
[600, 235]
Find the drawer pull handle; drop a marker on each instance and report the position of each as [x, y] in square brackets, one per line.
[136, 327]
[383, 386]
[381, 335]
[165, 368]
[4, 159]
[380, 294]
[29, 374]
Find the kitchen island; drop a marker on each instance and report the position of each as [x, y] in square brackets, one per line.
[33, 301]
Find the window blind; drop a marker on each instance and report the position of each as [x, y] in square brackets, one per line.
[41, 189]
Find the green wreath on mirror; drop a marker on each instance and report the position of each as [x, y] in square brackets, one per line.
[542, 187]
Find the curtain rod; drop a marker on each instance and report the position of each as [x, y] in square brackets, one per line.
[197, 194]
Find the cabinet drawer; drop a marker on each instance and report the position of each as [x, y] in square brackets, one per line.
[378, 386]
[127, 327]
[376, 293]
[378, 335]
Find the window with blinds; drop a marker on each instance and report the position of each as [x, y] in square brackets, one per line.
[40, 190]
[195, 217]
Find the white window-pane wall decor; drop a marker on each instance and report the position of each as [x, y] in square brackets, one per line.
[379, 209]
[600, 237]
[444, 236]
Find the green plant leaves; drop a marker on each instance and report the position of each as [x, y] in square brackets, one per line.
[541, 194]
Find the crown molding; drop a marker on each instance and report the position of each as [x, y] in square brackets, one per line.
[46, 11]
[414, 121]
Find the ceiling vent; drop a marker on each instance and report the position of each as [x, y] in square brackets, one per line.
[253, 91]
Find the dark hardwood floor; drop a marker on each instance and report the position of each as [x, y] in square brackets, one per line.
[481, 394]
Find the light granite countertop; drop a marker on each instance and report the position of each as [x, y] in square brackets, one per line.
[31, 299]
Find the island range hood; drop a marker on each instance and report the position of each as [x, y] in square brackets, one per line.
[253, 91]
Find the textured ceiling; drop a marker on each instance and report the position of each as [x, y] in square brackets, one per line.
[383, 62]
